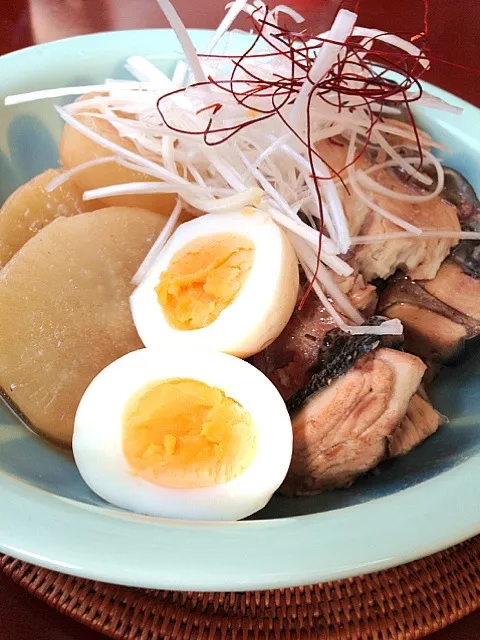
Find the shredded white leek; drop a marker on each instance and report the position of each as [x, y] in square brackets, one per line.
[405, 235]
[158, 245]
[70, 173]
[184, 39]
[330, 51]
[184, 145]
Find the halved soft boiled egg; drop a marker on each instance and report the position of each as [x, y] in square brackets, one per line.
[183, 434]
[226, 282]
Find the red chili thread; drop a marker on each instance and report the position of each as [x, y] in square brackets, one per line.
[300, 50]
[319, 198]
[216, 106]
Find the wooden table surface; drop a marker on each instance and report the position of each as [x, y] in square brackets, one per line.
[454, 32]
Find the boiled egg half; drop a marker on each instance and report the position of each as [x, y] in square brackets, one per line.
[187, 434]
[226, 282]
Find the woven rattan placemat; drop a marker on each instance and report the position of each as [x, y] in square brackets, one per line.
[405, 603]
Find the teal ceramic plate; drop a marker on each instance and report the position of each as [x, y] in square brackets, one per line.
[412, 507]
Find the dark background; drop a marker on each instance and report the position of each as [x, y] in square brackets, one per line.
[454, 25]
[454, 35]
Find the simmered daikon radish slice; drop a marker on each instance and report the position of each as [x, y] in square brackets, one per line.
[65, 315]
[31, 207]
[76, 148]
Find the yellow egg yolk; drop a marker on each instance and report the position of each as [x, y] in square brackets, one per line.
[203, 279]
[185, 434]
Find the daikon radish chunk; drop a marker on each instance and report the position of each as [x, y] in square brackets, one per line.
[65, 308]
[31, 207]
[76, 149]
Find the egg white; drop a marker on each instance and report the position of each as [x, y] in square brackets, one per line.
[262, 307]
[98, 436]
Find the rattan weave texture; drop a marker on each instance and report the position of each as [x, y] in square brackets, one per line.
[405, 603]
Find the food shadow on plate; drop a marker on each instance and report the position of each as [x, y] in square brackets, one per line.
[29, 146]
[437, 455]
[454, 392]
[40, 464]
[46, 467]
[21, 131]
